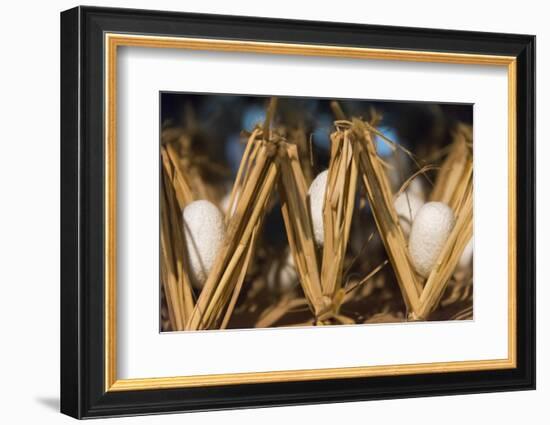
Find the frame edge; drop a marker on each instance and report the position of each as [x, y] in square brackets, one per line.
[526, 217]
[70, 349]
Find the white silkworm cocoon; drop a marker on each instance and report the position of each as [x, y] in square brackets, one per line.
[467, 256]
[316, 201]
[407, 206]
[204, 232]
[430, 230]
[282, 275]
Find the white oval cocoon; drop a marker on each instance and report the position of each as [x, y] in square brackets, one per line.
[416, 187]
[204, 232]
[430, 230]
[407, 206]
[467, 255]
[316, 201]
[282, 276]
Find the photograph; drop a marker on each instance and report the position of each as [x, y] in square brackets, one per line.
[301, 211]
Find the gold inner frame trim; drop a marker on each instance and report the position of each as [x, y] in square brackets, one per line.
[113, 41]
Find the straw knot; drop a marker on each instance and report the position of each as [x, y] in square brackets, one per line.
[342, 125]
[272, 149]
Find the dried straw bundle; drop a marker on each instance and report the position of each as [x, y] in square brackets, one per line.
[176, 193]
[180, 184]
[299, 228]
[337, 215]
[298, 137]
[177, 144]
[453, 177]
[454, 186]
[322, 285]
[276, 312]
[254, 184]
[224, 281]
[380, 198]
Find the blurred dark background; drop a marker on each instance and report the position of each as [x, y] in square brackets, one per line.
[419, 126]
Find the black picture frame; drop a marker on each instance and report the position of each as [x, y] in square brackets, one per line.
[83, 392]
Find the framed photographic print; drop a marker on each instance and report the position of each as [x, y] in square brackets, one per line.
[262, 212]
